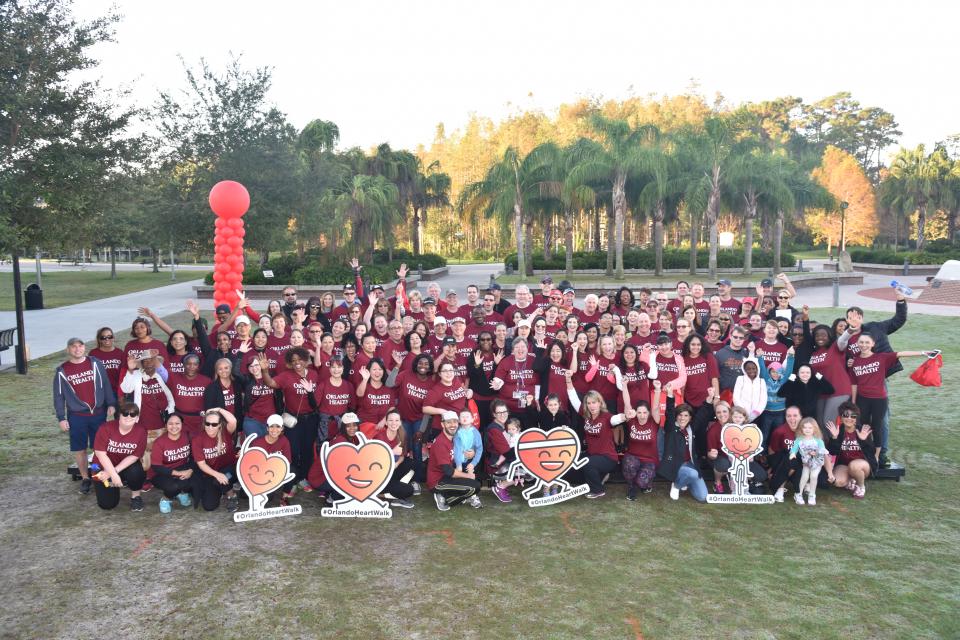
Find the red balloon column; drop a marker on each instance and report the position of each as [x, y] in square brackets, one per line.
[229, 200]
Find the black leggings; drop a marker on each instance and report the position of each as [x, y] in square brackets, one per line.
[303, 437]
[781, 465]
[596, 468]
[873, 412]
[397, 488]
[702, 416]
[173, 486]
[133, 477]
[212, 490]
[456, 490]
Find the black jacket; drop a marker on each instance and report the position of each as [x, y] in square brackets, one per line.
[213, 397]
[805, 395]
[674, 445]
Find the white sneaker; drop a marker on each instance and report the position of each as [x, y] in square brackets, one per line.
[798, 498]
[811, 499]
[674, 492]
[475, 502]
[778, 496]
[416, 488]
[441, 502]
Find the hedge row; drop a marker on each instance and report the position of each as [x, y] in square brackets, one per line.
[290, 269]
[886, 256]
[645, 259]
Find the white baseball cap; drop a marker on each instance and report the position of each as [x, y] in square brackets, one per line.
[274, 420]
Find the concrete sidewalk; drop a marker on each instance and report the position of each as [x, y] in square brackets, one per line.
[48, 329]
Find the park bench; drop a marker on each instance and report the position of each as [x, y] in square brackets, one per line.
[6, 339]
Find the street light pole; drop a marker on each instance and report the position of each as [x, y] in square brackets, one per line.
[843, 225]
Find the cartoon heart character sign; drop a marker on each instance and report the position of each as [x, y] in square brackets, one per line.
[547, 455]
[359, 471]
[741, 443]
[260, 473]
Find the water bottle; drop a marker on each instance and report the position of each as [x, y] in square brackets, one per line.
[95, 469]
[902, 288]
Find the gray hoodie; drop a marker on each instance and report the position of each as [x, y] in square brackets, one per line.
[65, 400]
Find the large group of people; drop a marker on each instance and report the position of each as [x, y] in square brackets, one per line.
[646, 379]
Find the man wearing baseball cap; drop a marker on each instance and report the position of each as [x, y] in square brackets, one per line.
[453, 308]
[434, 343]
[728, 304]
[499, 304]
[342, 310]
[450, 485]
[542, 299]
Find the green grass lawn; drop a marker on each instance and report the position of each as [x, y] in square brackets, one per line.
[884, 567]
[62, 288]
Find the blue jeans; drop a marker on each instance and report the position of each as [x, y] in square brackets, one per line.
[253, 426]
[770, 420]
[687, 476]
[411, 427]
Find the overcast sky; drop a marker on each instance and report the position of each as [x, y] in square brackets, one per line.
[391, 71]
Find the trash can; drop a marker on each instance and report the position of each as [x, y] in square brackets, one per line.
[33, 297]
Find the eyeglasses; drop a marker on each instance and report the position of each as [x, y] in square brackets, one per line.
[500, 411]
[211, 424]
[736, 337]
[129, 414]
[683, 326]
[446, 371]
[106, 338]
[713, 330]
[316, 331]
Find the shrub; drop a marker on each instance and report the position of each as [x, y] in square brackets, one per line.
[645, 259]
[290, 269]
[887, 256]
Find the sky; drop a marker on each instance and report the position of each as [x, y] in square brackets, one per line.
[391, 71]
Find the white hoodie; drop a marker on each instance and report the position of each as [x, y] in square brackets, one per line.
[750, 394]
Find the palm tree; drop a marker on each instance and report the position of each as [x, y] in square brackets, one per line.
[507, 192]
[661, 195]
[371, 205]
[624, 153]
[914, 184]
[756, 178]
[431, 189]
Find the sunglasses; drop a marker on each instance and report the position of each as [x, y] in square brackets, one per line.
[289, 295]
[849, 414]
[782, 298]
[486, 339]
[723, 319]
[737, 337]
[211, 424]
[129, 414]
[105, 338]
[314, 306]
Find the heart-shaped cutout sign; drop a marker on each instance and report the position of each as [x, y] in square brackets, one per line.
[741, 441]
[548, 454]
[357, 470]
[260, 472]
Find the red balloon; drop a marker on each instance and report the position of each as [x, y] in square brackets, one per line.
[241, 232]
[229, 199]
[235, 241]
[220, 223]
[235, 223]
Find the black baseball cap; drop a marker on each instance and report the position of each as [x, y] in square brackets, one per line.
[725, 281]
[429, 300]
[449, 340]
[546, 280]
[349, 287]
[376, 286]
[766, 282]
[223, 308]
[495, 287]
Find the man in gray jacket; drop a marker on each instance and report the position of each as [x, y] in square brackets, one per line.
[83, 399]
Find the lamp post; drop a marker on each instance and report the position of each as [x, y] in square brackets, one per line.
[843, 225]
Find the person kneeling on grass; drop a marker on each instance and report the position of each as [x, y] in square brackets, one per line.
[676, 463]
[855, 451]
[450, 485]
[171, 467]
[118, 447]
[214, 454]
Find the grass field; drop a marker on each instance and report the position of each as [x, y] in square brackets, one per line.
[62, 288]
[885, 567]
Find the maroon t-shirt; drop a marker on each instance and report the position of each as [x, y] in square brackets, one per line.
[776, 352]
[518, 378]
[601, 381]
[218, 457]
[187, 393]
[152, 402]
[388, 348]
[335, 400]
[80, 377]
[411, 392]
[452, 398]
[441, 455]
[118, 445]
[294, 395]
[667, 370]
[638, 384]
[554, 380]
[272, 362]
[598, 435]
[277, 347]
[137, 349]
[701, 371]
[373, 405]
[114, 363]
[782, 438]
[638, 341]
[281, 446]
[730, 307]
[512, 309]
[870, 373]
[850, 448]
[642, 440]
[714, 429]
[830, 363]
[229, 396]
[168, 453]
[262, 405]
[587, 317]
